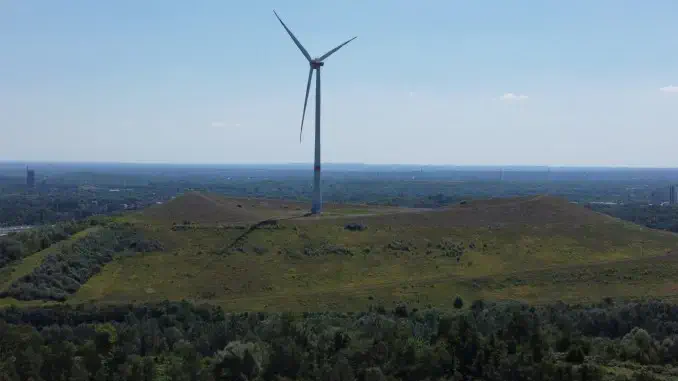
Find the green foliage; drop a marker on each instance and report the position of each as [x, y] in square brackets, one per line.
[18, 245]
[181, 341]
[452, 249]
[639, 346]
[326, 249]
[652, 216]
[11, 249]
[644, 375]
[63, 273]
[575, 355]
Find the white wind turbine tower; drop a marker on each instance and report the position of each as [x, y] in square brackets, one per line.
[315, 64]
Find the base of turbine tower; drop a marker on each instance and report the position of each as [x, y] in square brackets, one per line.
[315, 209]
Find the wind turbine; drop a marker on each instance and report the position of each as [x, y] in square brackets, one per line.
[315, 64]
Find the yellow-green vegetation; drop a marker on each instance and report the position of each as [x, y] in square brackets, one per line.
[535, 249]
[25, 266]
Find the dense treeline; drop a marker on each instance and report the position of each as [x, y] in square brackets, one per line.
[180, 341]
[63, 273]
[18, 245]
[51, 204]
[653, 216]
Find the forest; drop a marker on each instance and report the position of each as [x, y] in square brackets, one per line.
[479, 341]
[664, 217]
[17, 245]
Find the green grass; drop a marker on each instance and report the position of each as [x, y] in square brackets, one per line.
[22, 267]
[25, 266]
[532, 249]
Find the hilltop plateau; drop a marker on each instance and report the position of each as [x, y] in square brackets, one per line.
[255, 254]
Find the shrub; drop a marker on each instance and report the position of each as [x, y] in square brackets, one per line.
[355, 227]
[62, 274]
[478, 305]
[398, 246]
[10, 250]
[644, 375]
[374, 374]
[326, 249]
[22, 244]
[575, 355]
[401, 310]
[147, 245]
[240, 361]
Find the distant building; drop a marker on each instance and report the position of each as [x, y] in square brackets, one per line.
[30, 178]
[672, 195]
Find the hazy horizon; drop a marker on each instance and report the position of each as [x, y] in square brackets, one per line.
[577, 84]
[303, 165]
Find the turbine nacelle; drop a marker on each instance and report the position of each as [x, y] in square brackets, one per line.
[315, 64]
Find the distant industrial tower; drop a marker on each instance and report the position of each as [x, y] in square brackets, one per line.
[30, 178]
[672, 195]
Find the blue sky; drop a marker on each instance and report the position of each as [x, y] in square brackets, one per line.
[425, 82]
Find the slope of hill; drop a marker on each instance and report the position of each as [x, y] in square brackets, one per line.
[208, 208]
[205, 208]
[532, 249]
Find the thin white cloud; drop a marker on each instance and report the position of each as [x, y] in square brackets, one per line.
[669, 89]
[511, 97]
[220, 124]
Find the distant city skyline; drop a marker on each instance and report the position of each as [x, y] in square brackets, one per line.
[437, 82]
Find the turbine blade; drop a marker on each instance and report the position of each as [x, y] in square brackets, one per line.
[303, 114]
[303, 51]
[324, 56]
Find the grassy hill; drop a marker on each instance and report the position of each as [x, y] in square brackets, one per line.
[206, 208]
[535, 249]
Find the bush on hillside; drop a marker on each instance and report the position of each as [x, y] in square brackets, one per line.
[63, 273]
[18, 245]
[147, 245]
[326, 249]
[10, 250]
[355, 227]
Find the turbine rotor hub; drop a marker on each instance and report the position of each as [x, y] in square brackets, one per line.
[316, 64]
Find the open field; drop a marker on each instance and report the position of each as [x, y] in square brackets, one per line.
[535, 249]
